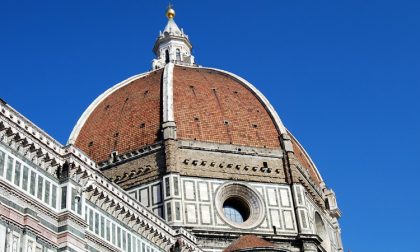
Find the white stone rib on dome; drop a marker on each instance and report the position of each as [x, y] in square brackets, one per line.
[168, 93]
[76, 130]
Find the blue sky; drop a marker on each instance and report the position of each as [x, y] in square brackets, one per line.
[343, 75]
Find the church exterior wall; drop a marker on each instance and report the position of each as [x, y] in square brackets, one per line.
[194, 205]
[53, 198]
[191, 202]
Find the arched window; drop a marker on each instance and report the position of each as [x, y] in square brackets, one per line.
[320, 227]
[166, 56]
[178, 55]
[322, 232]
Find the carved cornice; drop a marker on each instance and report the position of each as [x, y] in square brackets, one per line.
[126, 157]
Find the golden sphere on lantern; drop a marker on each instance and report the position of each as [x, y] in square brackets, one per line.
[170, 13]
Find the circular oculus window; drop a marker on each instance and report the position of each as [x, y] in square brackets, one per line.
[239, 205]
[236, 210]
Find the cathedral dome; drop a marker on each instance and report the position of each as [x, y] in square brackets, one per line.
[180, 100]
[209, 105]
[179, 158]
[205, 104]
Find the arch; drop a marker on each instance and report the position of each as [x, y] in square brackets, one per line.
[178, 54]
[321, 231]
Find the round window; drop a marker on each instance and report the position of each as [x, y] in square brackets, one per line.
[239, 205]
[236, 210]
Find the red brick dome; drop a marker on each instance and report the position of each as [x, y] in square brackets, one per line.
[124, 118]
[208, 105]
[212, 106]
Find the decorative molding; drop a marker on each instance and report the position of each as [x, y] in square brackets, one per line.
[128, 156]
[246, 169]
[230, 149]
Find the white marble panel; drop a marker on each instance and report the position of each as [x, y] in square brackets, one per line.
[158, 211]
[189, 190]
[272, 196]
[203, 191]
[275, 218]
[299, 195]
[156, 192]
[205, 214]
[144, 197]
[288, 219]
[304, 221]
[284, 197]
[191, 213]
